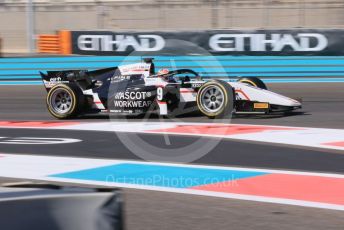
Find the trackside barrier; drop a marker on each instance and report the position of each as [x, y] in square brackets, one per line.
[269, 68]
[54, 43]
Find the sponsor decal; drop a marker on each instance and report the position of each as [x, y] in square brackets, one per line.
[133, 104]
[196, 85]
[135, 67]
[133, 95]
[133, 99]
[115, 111]
[261, 105]
[127, 111]
[119, 78]
[53, 81]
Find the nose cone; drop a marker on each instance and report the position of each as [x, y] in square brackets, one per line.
[297, 102]
[294, 103]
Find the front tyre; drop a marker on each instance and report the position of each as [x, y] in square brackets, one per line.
[65, 101]
[215, 99]
[253, 81]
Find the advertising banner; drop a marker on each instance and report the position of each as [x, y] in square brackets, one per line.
[291, 42]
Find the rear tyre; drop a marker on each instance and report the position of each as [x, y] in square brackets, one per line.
[65, 101]
[253, 81]
[215, 99]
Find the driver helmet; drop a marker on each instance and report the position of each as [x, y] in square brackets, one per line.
[163, 71]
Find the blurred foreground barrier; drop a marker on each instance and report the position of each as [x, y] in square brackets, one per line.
[57, 208]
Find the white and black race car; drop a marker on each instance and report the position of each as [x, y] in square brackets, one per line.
[136, 89]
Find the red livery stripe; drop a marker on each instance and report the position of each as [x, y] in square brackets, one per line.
[187, 91]
[243, 93]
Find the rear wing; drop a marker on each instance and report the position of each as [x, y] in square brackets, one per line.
[84, 78]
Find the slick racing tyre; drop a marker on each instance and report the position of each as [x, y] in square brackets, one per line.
[215, 99]
[253, 81]
[65, 101]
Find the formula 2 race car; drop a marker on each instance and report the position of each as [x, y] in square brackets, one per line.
[136, 89]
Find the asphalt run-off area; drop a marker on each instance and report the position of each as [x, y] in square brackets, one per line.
[281, 168]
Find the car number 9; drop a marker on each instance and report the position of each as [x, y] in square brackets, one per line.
[159, 94]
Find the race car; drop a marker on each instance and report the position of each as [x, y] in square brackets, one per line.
[136, 89]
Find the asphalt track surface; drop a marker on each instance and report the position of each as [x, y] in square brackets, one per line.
[323, 107]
